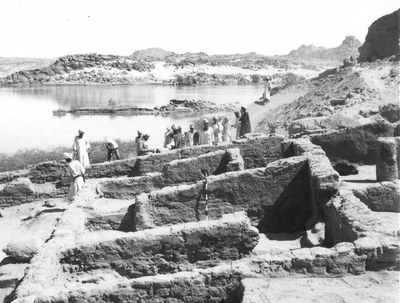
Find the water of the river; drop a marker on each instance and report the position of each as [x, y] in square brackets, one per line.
[27, 120]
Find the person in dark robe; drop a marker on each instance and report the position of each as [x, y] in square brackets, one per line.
[244, 119]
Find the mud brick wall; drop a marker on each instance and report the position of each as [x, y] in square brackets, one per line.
[324, 179]
[177, 171]
[220, 286]
[129, 187]
[191, 169]
[277, 190]
[256, 151]
[22, 190]
[111, 169]
[356, 145]
[9, 176]
[167, 249]
[350, 220]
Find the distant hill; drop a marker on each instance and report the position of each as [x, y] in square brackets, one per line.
[152, 53]
[349, 47]
[11, 65]
[155, 65]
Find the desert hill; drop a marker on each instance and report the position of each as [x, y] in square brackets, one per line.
[11, 65]
[349, 47]
[353, 93]
[155, 65]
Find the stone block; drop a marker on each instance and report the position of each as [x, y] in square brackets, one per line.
[386, 160]
[23, 249]
[19, 187]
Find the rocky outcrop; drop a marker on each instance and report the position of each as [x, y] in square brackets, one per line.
[382, 40]
[67, 65]
[348, 48]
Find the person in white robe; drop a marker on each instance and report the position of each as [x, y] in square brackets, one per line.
[80, 148]
[206, 134]
[77, 174]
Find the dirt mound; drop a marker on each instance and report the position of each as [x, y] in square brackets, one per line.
[358, 91]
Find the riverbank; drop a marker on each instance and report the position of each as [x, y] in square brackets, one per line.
[24, 158]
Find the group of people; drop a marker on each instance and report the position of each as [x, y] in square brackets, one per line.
[210, 134]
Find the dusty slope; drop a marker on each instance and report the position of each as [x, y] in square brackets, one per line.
[362, 89]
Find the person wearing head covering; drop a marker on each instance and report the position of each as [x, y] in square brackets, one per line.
[169, 136]
[217, 129]
[207, 134]
[267, 90]
[237, 125]
[80, 149]
[143, 146]
[189, 136]
[77, 174]
[179, 138]
[226, 130]
[112, 149]
[244, 119]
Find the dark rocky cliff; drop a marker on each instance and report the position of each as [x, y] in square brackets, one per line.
[382, 40]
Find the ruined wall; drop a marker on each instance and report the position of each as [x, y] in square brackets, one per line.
[22, 190]
[277, 190]
[167, 249]
[356, 145]
[324, 180]
[256, 151]
[384, 196]
[350, 220]
[187, 170]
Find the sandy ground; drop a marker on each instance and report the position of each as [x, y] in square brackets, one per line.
[372, 287]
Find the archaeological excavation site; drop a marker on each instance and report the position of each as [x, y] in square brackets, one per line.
[229, 223]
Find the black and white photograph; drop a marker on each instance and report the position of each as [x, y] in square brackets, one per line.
[218, 151]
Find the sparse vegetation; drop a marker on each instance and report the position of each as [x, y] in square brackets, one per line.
[26, 157]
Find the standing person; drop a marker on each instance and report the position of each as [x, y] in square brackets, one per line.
[143, 146]
[137, 139]
[80, 147]
[189, 136]
[169, 136]
[217, 129]
[267, 90]
[179, 138]
[245, 126]
[226, 130]
[112, 148]
[206, 134]
[237, 125]
[77, 174]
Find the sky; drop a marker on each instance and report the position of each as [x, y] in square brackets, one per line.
[54, 28]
